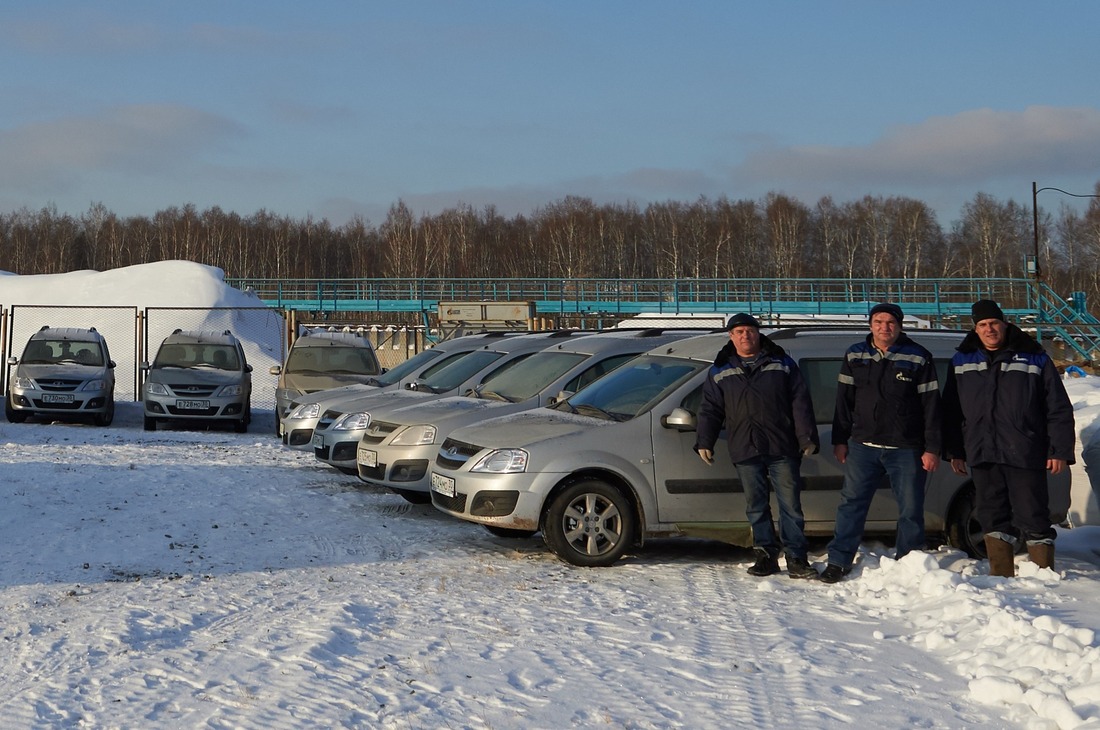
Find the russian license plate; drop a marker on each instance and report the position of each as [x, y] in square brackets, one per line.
[443, 485]
[192, 405]
[318, 441]
[367, 457]
[56, 398]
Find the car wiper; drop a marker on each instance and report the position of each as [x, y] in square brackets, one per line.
[493, 395]
[586, 409]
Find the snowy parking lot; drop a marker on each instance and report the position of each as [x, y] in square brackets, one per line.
[211, 579]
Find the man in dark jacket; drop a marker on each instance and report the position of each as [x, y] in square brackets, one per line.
[756, 392]
[1006, 413]
[886, 423]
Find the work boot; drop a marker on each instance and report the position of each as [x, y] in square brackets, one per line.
[1001, 555]
[1042, 554]
[800, 568]
[765, 564]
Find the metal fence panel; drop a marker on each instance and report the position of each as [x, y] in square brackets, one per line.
[118, 325]
[261, 330]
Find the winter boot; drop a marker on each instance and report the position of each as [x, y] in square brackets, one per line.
[1001, 554]
[1042, 554]
[766, 564]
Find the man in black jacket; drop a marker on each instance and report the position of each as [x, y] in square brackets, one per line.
[756, 392]
[886, 423]
[1006, 413]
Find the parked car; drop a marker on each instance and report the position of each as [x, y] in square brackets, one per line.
[402, 440]
[599, 472]
[340, 428]
[296, 427]
[198, 377]
[64, 372]
[323, 359]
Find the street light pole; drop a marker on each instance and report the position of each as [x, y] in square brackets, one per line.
[1035, 190]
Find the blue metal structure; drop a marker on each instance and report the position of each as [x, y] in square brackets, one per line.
[944, 301]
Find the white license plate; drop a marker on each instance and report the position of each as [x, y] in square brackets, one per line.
[318, 441]
[443, 485]
[192, 405]
[367, 457]
[54, 398]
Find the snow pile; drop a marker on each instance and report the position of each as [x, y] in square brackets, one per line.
[1002, 634]
[159, 284]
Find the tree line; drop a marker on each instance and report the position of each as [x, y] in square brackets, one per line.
[776, 237]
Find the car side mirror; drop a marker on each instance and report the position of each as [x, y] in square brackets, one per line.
[562, 395]
[275, 370]
[110, 363]
[144, 365]
[680, 419]
[248, 368]
[13, 360]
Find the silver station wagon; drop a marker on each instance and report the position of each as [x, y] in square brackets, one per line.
[614, 464]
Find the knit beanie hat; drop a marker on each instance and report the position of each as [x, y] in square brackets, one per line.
[892, 309]
[742, 320]
[986, 309]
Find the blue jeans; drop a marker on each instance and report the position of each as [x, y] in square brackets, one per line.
[863, 471]
[759, 476]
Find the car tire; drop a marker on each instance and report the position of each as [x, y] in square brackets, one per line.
[240, 425]
[105, 418]
[149, 424]
[414, 497]
[589, 523]
[13, 415]
[508, 532]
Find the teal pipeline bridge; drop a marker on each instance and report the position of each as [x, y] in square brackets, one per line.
[943, 301]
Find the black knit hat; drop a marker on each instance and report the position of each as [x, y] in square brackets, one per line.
[890, 308]
[986, 309]
[742, 320]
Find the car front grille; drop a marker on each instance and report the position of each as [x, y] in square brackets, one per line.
[191, 390]
[59, 385]
[453, 454]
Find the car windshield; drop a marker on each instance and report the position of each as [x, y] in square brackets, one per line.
[197, 355]
[407, 368]
[45, 352]
[461, 370]
[632, 389]
[517, 384]
[332, 360]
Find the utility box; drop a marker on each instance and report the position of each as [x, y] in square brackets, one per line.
[457, 316]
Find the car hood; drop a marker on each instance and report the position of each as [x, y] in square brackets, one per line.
[377, 400]
[447, 413]
[526, 428]
[313, 382]
[62, 370]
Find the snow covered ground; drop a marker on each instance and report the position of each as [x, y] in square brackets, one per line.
[207, 579]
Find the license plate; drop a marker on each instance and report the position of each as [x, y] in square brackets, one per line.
[192, 405]
[54, 398]
[443, 485]
[318, 441]
[367, 457]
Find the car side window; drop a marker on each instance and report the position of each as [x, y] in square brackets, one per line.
[820, 375]
[692, 401]
[597, 371]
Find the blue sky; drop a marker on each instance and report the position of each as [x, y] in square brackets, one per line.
[336, 109]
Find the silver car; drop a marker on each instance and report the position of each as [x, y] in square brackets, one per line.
[64, 372]
[340, 428]
[303, 412]
[401, 442]
[323, 359]
[613, 464]
[198, 377]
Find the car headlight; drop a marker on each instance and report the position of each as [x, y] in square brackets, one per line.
[415, 436]
[306, 410]
[231, 390]
[95, 385]
[502, 461]
[22, 383]
[286, 394]
[352, 422]
[155, 389]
